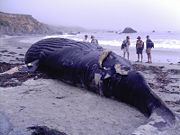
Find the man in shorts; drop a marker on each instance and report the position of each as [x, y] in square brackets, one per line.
[149, 46]
[139, 48]
[125, 47]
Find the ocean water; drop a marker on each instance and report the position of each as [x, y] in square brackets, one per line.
[167, 44]
[161, 40]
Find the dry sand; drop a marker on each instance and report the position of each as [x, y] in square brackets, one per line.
[75, 111]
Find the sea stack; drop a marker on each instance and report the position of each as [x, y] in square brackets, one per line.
[129, 30]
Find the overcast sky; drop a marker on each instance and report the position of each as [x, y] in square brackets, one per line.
[142, 15]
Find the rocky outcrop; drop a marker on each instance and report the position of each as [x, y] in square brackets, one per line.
[129, 30]
[18, 24]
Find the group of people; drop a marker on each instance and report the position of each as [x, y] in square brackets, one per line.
[139, 48]
[125, 47]
[93, 39]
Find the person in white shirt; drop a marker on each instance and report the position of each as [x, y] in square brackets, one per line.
[125, 47]
[85, 38]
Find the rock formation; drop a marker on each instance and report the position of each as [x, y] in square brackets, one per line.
[129, 30]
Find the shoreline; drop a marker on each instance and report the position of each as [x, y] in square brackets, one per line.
[159, 55]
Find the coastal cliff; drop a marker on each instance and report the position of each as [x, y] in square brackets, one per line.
[19, 24]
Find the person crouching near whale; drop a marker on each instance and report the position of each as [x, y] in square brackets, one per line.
[94, 40]
[125, 47]
[149, 46]
[139, 48]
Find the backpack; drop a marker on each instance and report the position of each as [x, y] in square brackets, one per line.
[123, 44]
[152, 45]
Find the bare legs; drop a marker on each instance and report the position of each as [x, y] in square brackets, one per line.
[128, 55]
[139, 57]
[124, 54]
[149, 58]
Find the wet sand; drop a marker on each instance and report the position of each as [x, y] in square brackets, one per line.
[35, 99]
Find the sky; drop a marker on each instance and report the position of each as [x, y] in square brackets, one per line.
[142, 15]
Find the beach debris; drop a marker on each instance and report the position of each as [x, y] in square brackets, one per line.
[21, 54]
[12, 53]
[44, 130]
[11, 71]
[60, 97]
[161, 77]
[11, 75]
[19, 47]
[174, 71]
[3, 51]
[20, 59]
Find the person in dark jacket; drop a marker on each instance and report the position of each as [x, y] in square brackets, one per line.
[149, 46]
[85, 38]
[139, 48]
[94, 40]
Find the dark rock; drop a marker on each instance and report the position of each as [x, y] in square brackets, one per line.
[12, 53]
[20, 59]
[60, 97]
[21, 54]
[129, 30]
[7, 55]
[43, 130]
[4, 51]
[174, 71]
[73, 33]
[16, 79]
[19, 47]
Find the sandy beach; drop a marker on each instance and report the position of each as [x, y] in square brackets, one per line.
[39, 100]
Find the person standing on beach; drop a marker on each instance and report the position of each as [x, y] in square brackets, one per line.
[149, 46]
[125, 47]
[85, 38]
[94, 40]
[139, 48]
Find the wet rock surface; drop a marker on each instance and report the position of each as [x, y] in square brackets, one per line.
[16, 79]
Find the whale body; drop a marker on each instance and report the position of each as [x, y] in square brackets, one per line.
[101, 71]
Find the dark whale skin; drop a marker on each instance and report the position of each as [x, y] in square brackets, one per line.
[77, 63]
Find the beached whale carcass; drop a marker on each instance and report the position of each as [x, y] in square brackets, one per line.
[101, 71]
